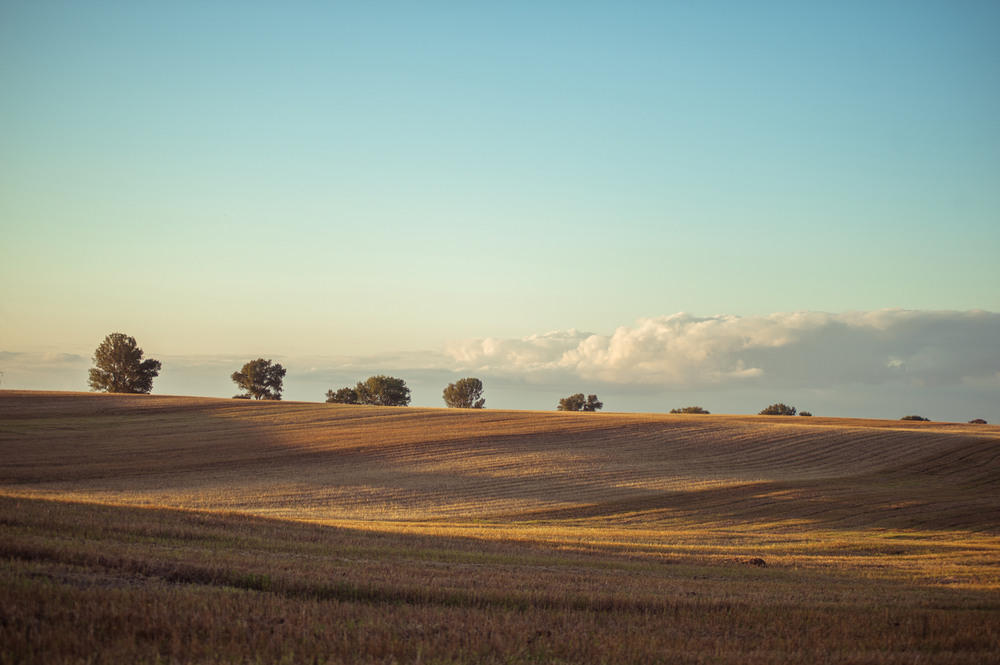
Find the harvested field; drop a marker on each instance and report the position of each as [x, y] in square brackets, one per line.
[763, 538]
[333, 462]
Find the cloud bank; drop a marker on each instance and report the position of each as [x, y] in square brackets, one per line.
[886, 363]
[798, 349]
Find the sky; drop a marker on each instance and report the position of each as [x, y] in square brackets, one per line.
[722, 204]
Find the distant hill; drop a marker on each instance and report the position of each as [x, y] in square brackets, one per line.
[333, 462]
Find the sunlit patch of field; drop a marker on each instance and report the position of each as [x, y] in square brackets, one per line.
[754, 534]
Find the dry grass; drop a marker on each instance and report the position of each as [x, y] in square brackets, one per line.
[159, 529]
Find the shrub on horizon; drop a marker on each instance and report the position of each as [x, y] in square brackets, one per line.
[578, 402]
[926, 420]
[778, 410]
[378, 390]
[343, 396]
[690, 409]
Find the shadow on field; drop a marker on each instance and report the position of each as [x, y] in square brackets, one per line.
[83, 582]
[313, 461]
[957, 488]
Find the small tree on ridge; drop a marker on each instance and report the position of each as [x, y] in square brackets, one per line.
[261, 379]
[465, 394]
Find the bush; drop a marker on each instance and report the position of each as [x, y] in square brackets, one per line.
[383, 390]
[378, 390]
[689, 409]
[778, 410]
[926, 420]
[805, 413]
[977, 421]
[342, 396]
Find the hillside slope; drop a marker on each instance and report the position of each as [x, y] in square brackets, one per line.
[331, 462]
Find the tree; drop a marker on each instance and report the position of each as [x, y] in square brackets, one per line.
[577, 402]
[690, 409]
[261, 379]
[778, 410]
[465, 394]
[383, 390]
[342, 396]
[926, 420]
[119, 367]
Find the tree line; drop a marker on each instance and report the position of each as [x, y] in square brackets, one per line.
[119, 367]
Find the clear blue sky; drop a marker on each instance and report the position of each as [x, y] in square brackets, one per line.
[344, 180]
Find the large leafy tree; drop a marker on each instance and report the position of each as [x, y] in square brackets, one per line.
[260, 379]
[119, 367]
[578, 402]
[383, 390]
[465, 394]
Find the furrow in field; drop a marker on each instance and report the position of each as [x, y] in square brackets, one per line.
[316, 461]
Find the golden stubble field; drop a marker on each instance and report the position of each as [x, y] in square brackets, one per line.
[175, 529]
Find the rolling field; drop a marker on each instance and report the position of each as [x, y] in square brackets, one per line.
[173, 529]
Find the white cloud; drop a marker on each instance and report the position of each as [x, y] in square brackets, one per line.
[43, 370]
[807, 349]
[51, 359]
[533, 353]
[63, 359]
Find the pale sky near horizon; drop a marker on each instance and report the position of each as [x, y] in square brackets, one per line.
[390, 187]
